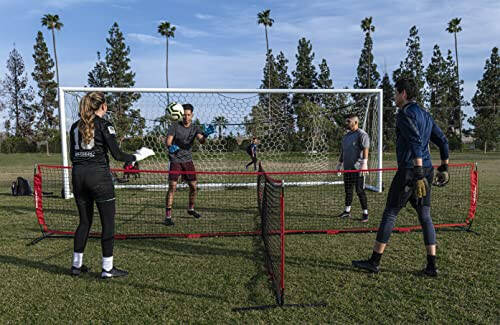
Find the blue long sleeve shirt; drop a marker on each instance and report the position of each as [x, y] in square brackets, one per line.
[414, 129]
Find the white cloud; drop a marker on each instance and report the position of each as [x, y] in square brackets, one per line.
[190, 32]
[203, 16]
[146, 39]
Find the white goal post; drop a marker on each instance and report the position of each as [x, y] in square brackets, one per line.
[297, 129]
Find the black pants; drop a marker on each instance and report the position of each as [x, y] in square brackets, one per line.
[254, 162]
[355, 180]
[400, 193]
[94, 184]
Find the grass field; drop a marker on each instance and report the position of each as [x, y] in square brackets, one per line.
[202, 280]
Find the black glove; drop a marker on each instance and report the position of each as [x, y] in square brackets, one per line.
[420, 182]
[442, 176]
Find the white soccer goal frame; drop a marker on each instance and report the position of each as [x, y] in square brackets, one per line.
[63, 123]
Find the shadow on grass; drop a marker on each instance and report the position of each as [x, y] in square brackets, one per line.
[93, 276]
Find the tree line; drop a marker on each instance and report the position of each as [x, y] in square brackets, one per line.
[33, 119]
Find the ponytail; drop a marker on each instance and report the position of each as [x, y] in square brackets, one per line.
[90, 103]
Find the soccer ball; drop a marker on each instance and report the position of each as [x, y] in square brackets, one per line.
[175, 111]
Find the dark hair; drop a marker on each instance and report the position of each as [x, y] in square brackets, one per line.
[188, 107]
[352, 115]
[407, 85]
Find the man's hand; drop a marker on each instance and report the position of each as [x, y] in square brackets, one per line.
[143, 153]
[173, 148]
[364, 167]
[339, 166]
[209, 129]
[420, 182]
[442, 176]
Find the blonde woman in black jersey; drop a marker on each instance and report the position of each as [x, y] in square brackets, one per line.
[91, 137]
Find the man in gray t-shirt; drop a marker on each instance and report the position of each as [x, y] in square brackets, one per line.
[354, 156]
[180, 139]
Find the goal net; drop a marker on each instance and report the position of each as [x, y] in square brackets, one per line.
[296, 129]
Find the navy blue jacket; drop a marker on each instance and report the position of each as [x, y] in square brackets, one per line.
[414, 128]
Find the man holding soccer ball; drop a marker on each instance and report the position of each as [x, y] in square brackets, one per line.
[180, 139]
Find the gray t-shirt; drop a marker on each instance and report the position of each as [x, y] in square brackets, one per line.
[184, 138]
[353, 144]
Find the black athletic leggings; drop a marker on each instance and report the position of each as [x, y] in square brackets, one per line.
[355, 180]
[94, 184]
[254, 162]
[401, 192]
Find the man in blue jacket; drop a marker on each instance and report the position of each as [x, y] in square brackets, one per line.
[414, 129]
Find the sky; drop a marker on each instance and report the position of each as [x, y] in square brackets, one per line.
[218, 44]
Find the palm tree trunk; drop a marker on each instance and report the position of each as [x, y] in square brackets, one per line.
[166, 73]
[369, 64]
[268, 75]
[55, 57]
[459, 103]
[166, 64]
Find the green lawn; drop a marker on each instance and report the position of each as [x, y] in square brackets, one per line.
[202, 280]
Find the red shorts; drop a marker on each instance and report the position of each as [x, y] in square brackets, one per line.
[183, 166]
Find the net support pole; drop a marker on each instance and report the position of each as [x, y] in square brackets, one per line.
[64, 145]
[282, 241]
[380, 105]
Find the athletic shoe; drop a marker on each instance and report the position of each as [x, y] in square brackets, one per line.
[194, 214]
[168, 222]
[364, 218]
[430, 272]
[113, 273]
[344, 214]
[366, 265]
[76, 271]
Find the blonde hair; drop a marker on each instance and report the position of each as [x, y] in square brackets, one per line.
[90, 103]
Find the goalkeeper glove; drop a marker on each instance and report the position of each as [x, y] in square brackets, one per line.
[143, 153]
[210, 129]
[442, 176]
[421, 184]
[339, 166]
[364, 167]
[173, 148]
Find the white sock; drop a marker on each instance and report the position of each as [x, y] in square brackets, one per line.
[107, 263]
[365, 211]
[77, 259]
[348, 208]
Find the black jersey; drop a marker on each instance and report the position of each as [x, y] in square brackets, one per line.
[96, 152]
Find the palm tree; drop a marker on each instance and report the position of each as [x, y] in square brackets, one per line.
[52, 22]
[167, 30]
[454, 28]
[366, 26]
[221, 123]
[263, 18]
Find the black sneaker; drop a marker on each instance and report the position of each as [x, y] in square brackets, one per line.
[194, 214]
[344, 214]
[168, 222]
[113, 273]
[366, 265]
[76, 271]
[364, 218]
[433, 272]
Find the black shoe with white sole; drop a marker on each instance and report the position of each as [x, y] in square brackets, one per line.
[76, 271]
[366, 265]
[194, 214]
[344, 214]
[432, 272]
[113, 273]
[364, 218]
[168, 222]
